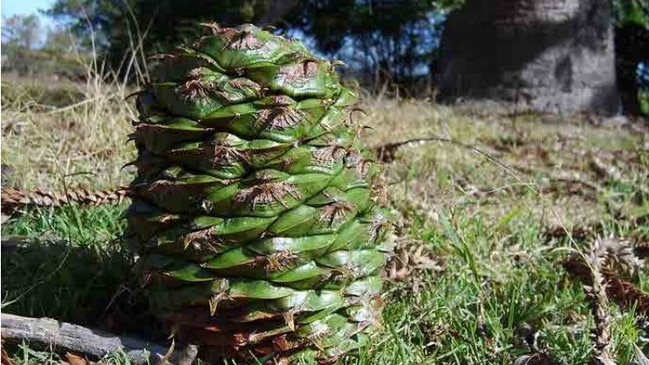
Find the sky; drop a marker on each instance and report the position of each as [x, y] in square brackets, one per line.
[24, 7]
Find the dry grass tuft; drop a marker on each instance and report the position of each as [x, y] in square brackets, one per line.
[81, 144]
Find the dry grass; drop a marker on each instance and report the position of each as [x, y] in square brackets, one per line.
[506, 163]
[81, 144]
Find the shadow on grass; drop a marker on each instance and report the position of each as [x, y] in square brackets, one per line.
[90, 285]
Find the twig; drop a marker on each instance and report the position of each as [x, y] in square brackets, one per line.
[598, 302]
[58, 336]
[387, 152]
[639, 356]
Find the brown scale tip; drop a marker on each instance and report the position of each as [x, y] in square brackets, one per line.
[245, 40]
[267, 193]
[280, 117]
[336, 211]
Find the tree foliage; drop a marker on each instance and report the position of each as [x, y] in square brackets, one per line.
[382, 41]
[389, 40]
[121, 28]
[21, 31]
[30, 48]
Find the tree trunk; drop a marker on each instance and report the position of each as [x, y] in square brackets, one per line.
[546, 55]
[631, 48]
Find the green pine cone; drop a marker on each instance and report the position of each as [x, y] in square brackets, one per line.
[255, 213]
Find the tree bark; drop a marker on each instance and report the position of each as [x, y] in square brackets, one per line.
[47, 333]
[546, 55]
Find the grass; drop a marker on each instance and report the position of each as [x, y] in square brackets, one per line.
[83, 143]
[485, 274]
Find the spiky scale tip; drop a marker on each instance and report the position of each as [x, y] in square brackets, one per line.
[254, 212]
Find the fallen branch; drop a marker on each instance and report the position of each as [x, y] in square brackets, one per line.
[53, 335]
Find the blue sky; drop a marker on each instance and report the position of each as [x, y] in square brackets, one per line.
[12, 7]
[25, 7]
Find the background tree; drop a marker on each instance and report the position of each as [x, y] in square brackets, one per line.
[383, 42]
[29, 48]
[21, 31]
[120, 26]
[631, 51]
[549, 55]
[20, 35]
[546, 54]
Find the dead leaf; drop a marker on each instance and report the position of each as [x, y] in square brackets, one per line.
[4, 357]
[410, 260]
[74, 359]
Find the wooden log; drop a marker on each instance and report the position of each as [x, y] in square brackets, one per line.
[56, 336]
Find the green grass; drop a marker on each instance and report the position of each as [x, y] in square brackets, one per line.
[496, 278]
[481, 218]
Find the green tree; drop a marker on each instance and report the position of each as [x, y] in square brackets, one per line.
[386, 41]
[381, 40]
[118, 27]
[21, 31]
[20, 36]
